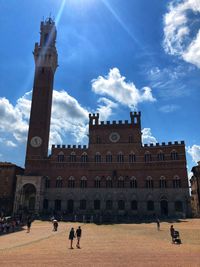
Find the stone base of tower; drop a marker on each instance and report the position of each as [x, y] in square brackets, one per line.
[28, 195]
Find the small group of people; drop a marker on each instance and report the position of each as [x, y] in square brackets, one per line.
[8, 225]
[75, 234]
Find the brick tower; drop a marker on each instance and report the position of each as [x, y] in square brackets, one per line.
[45, 56]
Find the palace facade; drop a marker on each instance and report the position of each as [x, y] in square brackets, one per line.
[114, 175]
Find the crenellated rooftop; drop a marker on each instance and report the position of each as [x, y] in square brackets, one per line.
[70, 146]
[165, 144]
[135, 119]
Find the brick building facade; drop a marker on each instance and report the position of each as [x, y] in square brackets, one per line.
[8, 178]
[115, 175]
[195, 190]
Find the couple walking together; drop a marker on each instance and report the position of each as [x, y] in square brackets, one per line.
[72, 235]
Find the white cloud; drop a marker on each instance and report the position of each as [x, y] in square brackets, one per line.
[105, 108]
[192, 54]
[125, 93]
[168, 81]
[68, 116]
[12, 120]
[169, 108]
[194, 152]
[8, 143]
[147, 137]
[178, 39]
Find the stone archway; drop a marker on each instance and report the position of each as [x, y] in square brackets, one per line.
[29, 197]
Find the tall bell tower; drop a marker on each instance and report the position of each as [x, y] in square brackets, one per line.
[46, 62]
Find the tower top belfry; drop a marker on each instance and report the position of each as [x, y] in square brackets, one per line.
[45, 53]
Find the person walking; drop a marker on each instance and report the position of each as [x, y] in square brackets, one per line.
[78, 236]
[71, 237]
[172, 230]
[158, 224]
[28, 224]
[55, 225]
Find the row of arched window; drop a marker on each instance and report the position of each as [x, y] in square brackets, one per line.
[109, 183]
[119, 157]
[108, 205]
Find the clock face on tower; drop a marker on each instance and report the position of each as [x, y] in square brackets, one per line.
[36, 141]
[114, 137]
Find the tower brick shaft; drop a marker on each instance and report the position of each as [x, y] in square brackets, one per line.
[45, 56]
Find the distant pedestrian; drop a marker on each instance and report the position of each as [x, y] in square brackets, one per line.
[172, 230]
[28, 224]
[55, 225]
[158, 224]
[71, 237]
[78, 236]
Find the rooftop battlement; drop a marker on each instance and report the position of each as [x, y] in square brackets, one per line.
[83, 147]
[135, 120]
[165, 144]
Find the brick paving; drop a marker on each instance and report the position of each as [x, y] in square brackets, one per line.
[103, 245]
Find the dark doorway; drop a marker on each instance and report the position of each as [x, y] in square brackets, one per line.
[29, 197]
[164, 207]
[70, 205]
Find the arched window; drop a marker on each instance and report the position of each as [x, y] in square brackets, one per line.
[147, 157]
[134, 205]
[45, 204]
[60, 157]
[149, 182]
[97, 157]
[83, 182]
[174, 155]
[47, 182]
[108, 157]
[121, 204]
[59, 182]
[176, 182]
[120, 182]
[97, 204]
[150, 205]
[72, 157]
[83, 204]
[109, 204]
[84, 157]
[71, 182]
[160, 156]
[120, 157]
[163, 183]
[132, 157]
[97, 182]
[109, 183]
[133, 182]
[178, 206]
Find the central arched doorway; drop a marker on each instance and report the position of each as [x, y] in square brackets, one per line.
[29, 197]
[164, 207]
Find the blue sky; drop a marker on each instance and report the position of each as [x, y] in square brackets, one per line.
[114, 56]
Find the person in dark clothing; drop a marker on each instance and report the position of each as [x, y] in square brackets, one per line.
[158, 224]
[28, 224]
[55, 225]
[172, 230]
[71, 237]
[78, 236]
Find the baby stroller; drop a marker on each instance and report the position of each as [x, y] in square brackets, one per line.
[176, 238]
